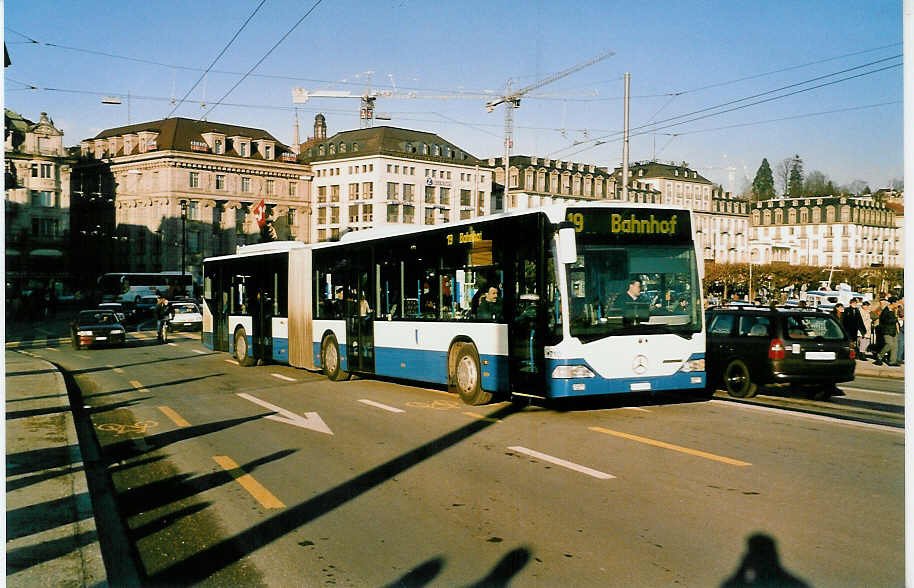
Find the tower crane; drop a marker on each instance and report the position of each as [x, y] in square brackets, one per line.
[511, 100]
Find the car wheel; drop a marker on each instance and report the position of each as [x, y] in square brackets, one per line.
[466, 379]
[738, 381]
[331, 361]
[241, 349]
[821, 392]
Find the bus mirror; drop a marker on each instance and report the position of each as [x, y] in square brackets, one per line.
[568, 251]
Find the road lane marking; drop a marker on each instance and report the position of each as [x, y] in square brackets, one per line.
[136, 384]
[173, 344]
[670, 446]
[381, 406]
[282, 377]
[482, 417]
[638, 408]
[565, 464]
[231, 361]
[865, 391]
[811, 416]
[52, 349]
[174, 416]
[310, 420]
[117, 370]
[122, 428]
[197, 351]
[247, 481]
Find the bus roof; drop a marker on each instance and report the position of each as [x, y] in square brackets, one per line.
[261, 249]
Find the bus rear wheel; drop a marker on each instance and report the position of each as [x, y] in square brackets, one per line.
[466, 379]
[330, 360]
[241, 349]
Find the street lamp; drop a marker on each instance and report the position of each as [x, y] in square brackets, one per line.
[183, 240]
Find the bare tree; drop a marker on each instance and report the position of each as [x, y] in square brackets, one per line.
[783, 172]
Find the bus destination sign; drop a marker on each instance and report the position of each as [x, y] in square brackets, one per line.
[631, 224]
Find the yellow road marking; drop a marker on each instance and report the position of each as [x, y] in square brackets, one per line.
[665, 445]
[481, 417]
[117, 370]
[136, 384]
[247, 481]
[174, 416]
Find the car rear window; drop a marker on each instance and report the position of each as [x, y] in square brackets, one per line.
[821, 327]
[185, 307]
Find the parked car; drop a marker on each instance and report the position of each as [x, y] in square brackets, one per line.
[187, 317]
[751, 347]
[96, 327]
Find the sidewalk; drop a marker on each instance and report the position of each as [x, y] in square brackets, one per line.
[866, 368]
[51, 537]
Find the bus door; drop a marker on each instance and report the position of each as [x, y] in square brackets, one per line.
[219, 307]
[360, 313]
[262, 319]
[526, 331]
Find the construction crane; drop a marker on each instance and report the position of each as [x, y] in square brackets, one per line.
[511, 100]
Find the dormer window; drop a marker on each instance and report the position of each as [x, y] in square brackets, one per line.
[267, 152]
[243, 149]
[342, 148]
[321, 150]
[218, 146]
[332, 149]
[355, 146]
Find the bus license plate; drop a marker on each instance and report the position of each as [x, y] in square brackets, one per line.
[820, 355]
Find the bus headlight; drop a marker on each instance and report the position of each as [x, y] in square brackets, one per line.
[693, 365]
[84, 333]
[564, 372]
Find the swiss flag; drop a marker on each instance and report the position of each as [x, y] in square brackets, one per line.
[260, 213]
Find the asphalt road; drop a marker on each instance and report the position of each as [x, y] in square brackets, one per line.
[224, 475]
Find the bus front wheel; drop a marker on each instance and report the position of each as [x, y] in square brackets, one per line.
[241, 349]
[330, 360]
[466, 379]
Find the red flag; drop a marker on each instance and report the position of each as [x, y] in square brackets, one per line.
[260, 213]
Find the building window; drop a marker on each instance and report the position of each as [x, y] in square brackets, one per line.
[44, 227]
[194, 180]
[408, 192]
[43, 198]
[245, 184]
[391, 190]
[322, 215]
[393, 213]
[367, 190]
[243, 149]
[335, 193]
[220, 181]
[429, 194]
[332, 149]
[429, 216]
[192, 210]
[46, 170]
[217, 146]
[409, 214]
[271, 186]
[268, 152]
[444, 195]
[342, 148]
[367, 215]
[355, 146]
[464, 198]
[293, 188]
[353, 191]
[335, 215]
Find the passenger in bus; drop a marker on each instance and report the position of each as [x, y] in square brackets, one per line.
[364, 308]
[490, 306]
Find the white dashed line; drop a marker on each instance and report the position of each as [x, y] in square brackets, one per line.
[173, 344]
[381, 406]
[563, 463]
[198, 351]
[231, 361]
[282, 377]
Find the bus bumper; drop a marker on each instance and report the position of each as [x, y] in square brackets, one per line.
[598, 385]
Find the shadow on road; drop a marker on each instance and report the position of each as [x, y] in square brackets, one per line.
[210, 560]
[508, 567]
[761, 566]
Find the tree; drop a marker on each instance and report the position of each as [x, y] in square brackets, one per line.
[763, 184]
[816, 184]
[795, 177]
[783, 171]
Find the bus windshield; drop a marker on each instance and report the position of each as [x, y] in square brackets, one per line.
[622, 289]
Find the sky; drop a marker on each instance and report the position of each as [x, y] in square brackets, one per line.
[717, 84]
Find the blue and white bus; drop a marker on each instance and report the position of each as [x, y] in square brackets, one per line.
[406, 303]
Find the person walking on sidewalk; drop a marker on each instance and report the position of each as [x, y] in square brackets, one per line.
[888, 325]
[866, 338]
[853, 323]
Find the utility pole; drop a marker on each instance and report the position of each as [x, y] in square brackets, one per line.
[628, 79]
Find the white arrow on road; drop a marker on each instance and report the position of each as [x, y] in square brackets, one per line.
[311, 420]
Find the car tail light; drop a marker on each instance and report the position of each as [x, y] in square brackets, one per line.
[853, 354]
[776, 349]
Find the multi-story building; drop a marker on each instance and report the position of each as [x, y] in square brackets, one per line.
[539, 181]
[37, 183]
[386, 176]
[827, 231]
[153, 194]
[721, 220]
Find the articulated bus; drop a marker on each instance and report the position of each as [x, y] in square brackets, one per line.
[526, 303]
[129, 287]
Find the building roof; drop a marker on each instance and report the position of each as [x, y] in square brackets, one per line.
[384, 140]
[672, 171]
[177, 133]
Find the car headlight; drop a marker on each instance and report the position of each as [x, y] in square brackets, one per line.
[693, 365]
[572, 371]
[84, 333]
[117, 331]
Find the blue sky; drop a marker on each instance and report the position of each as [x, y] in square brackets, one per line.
[686, 59]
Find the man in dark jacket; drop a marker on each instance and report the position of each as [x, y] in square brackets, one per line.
[163, 313]
[853, 322]
[888, 325]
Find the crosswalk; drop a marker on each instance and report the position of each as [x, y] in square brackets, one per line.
[38, 342]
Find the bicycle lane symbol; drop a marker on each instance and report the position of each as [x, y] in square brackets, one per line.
[435, 404]
[118, 429]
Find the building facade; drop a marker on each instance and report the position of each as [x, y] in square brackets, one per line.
[37, 190]
[829, 231]
[173, 191]
[391, 176]
[540, 181]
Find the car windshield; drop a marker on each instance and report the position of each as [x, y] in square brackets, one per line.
[185, 307]
[91, 317]
[630, 290]
[818, 326]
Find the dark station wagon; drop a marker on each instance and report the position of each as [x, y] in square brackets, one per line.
[752, 346]
[96, 327]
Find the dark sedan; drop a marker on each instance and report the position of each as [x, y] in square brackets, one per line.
[96, 327]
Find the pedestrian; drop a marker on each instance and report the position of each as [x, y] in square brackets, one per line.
[878, 341]
[899, 312]
[163, 312]
[838, 312]
[853, 323]
[866, 337]
[888, 325]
